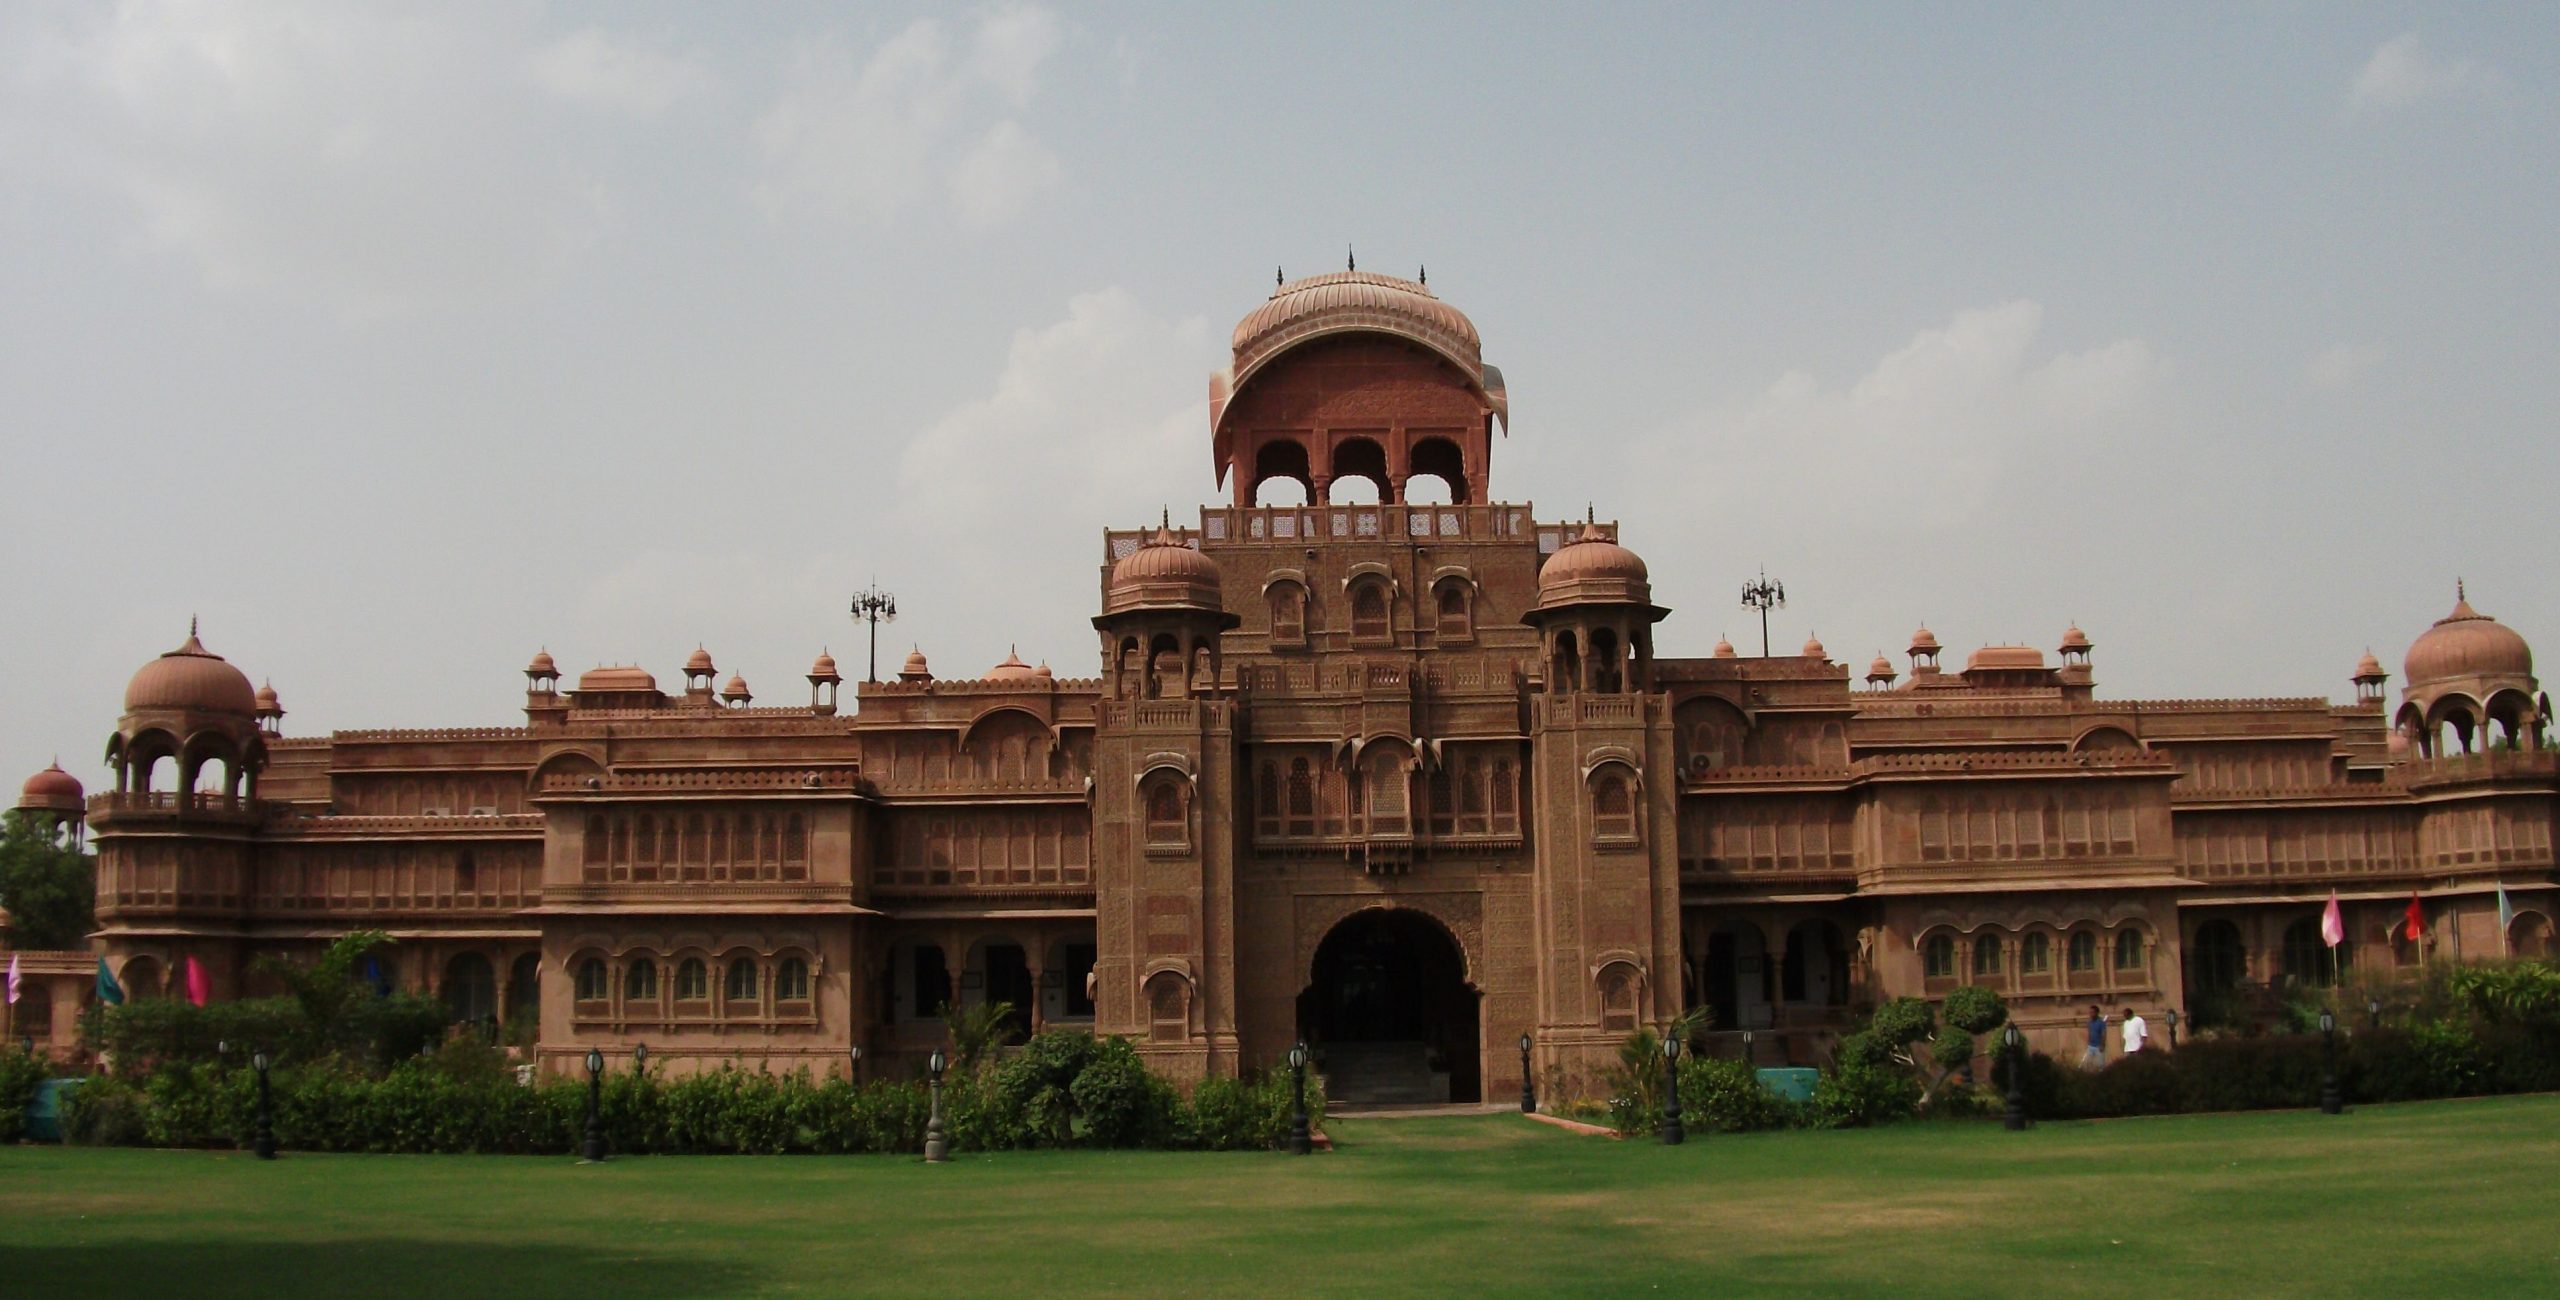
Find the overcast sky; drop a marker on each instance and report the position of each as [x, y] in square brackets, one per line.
[397, 343]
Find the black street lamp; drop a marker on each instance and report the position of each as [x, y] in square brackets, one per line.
[2014, 1118]
[594, 1152]
[1764, 596]
[640, 1058]
[853, 1075]
[937, 1146]
[2330, 1102]
[263, 1145]
[873, 607]
[1672, 1134]
[1746, 1047]
[1528, 1091]
[1300, 1141]
[2172, 1015]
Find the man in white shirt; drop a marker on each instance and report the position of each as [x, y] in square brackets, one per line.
[2137, 1033]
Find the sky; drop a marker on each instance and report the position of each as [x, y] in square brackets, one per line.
[397, 342]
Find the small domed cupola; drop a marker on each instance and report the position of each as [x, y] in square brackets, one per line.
[1924, 652]
[1724, 648]
[191, 679]
[1595, 614]
[1012, 669]
[1813, 650]
[736, 694]
[57, 794]
[915, 669]
[2369, 679]
[2465, 679]
[1592, 567]
[698, 672]
[270, 710]
[193, 706]
[1880, 673]
[823, 681]
[1165, 572]
[2466, 643]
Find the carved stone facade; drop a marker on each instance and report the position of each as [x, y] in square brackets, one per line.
[1405, 780]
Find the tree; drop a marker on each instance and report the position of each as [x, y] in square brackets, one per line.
[327, 989]
[50, 892]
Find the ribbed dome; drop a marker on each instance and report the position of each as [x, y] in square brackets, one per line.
[2075, 639]
[2368, 668]
[1881, 669]
[915, 668]
[52, 790]
[1813, 649]
[699, 662]
[1924, 641]
[1346, 300]
[542, 665]
[1724, 648]
[1593, 568]
[1166, 571]
[736, 689]
[1012, 669]
[825, 667]
[267, 701]
[2466, 643]
[191, 677]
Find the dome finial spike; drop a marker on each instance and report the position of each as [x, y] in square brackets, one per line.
[2458, 594]
[191, 623]
[1350, 259]
[1165, 520]
[1422, 275]
[1277, 277]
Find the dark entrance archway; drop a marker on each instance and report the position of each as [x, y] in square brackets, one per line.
[1390, 1014]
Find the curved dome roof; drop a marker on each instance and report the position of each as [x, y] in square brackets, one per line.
[1012, 669]
[267, 701]
[698, 662]
[2466, 643]
[824, 669]
[1350, 300]
[1813, 649]
[1724, 648]
[2004, 656]
[542, 665]
[191, 677]
[620, 677]
[2368, 669]
[52, 790]
[1924, 640]
[1593, 568]
[915, 668]
[736, 689]
[2075, 639]
[1166, 571]
[1881, 668]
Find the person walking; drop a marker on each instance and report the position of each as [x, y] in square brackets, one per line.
[2097, 1054]
[2136, 1031]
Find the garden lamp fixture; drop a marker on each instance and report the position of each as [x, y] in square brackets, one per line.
[593, 1151]
[2014, 1118]
[1300, 1141]
[1746, 1047]
[263, 1142]
[1528, 1093]
[2330, 1102]
[2172, 1017]
[1672, 1134]
[937, 1144]
[639, 1058]
[2373, 1008]
[854, 1075]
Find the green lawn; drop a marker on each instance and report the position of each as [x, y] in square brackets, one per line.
[2436, 1199]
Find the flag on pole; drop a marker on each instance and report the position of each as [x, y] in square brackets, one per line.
[2333, 927]
[2417, 919]
[109, 991]
[199, 984]
[2506, 918]
[13, 977]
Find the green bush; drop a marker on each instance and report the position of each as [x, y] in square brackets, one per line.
[1954, 1050]
[1903, 1021]
[21, 1074]
[1724, 1095]
[1974, 1009]
[104, 1111]
[1122, 1104]
[1855, 1095]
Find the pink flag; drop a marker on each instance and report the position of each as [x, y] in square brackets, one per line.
[2333, 928]
[13, 977]
[199, 984]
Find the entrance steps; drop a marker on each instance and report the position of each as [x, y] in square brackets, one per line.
[1382, 1074]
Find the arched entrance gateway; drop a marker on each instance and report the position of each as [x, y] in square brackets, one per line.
[1389, 1013]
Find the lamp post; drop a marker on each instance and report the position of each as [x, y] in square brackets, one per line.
[853, 1074]
[1528, 1092]
[263, 1144]
[2014, 1118]
[2373, 1009]
[640, 1058]
[2172, 1016]
[874, 607]
[594, 1151]
[1764, 596]
[1746, 1047]
[937, 1147]
[2330, 1102]
[1672, 1134]
[1300, 1142]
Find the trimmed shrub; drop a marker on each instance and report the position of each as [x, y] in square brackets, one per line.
[1854, 1095]
[21, 1074]
[1726, 1096]
[1974, 1009]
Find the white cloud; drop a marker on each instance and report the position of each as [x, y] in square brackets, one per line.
[595, 69]
[376, 160]
[914, 122]
[2339, 366]
[1923, 438]
[2402, 72]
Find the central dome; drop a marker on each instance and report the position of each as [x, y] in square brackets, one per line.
[191, 677]
[2466, 643]
[1347, 300]
[1166, 571]
[1591, 567]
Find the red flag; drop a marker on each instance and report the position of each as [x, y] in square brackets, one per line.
[2333, 926]
[199, 984]
[2417, 919]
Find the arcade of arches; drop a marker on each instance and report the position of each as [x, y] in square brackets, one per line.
[1362, 752]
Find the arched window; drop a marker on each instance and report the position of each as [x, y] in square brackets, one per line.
[1288, 613]
[2128, 950]
[791, 980]
[1166, 823]
[1453, 622]
[2084, 951]
[1938, 957]
[640, 981]
[693, 980]
[1302, 799]
[470, 988]
[2305, 964]
[2035, 953]
[593, 986]
[2529, 935]
[1986, 955]
[741, 986]
[1613, 807]
[1369, 612]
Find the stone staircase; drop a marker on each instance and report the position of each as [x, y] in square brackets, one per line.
[1382, 1074]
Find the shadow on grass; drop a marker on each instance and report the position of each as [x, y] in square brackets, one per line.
[375, 1268]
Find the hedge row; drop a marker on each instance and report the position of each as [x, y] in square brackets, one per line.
[2442, 1059]
[1062, 1089]
[1723, 1095]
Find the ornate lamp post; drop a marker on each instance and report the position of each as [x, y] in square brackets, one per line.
[937, 1147]
[2330, 1102]
[1672, 1134]
[1764, 595]
[2172, 1016]
[1300, 1141]
[2014, 1118]
[263, 1145]
[594, 1151]
[873, 607]
[1528, 1091]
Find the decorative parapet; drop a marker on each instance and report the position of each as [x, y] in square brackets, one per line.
[839, 779]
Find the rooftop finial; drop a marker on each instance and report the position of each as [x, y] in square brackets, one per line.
[191, 623]
[1165, 520]
[2458, 594]
[1277, 278]
[1590, 513]
[1422, 275]
[1350, 260]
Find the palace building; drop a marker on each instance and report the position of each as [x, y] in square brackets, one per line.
[1405, 781]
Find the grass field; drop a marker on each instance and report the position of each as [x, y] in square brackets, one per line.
[2451, 1198]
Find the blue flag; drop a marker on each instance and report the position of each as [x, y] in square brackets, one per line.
[109, 991]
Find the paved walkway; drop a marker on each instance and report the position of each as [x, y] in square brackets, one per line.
[1417, 1110]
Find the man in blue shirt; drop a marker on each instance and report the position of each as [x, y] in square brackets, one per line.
[2097, 1053]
